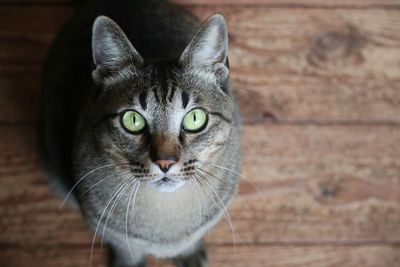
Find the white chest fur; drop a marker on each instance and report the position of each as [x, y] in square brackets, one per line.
[165, 224]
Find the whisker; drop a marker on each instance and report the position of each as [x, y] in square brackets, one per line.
[117, 199]
[125, 184]
[199, 185]
[98, 182]
[227, 216]
[134, 191]
[81, 179]
[91, 187]
[240, 175]
[236, 194]
[242, 199]
[209, 174]
[198, 200]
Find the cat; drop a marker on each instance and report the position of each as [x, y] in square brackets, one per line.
[139, 127]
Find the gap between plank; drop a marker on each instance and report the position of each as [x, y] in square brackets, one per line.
[217, 5]
[5, 245]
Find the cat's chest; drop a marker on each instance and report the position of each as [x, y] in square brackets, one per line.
[159, 218]
[169, 215]
[165, 224]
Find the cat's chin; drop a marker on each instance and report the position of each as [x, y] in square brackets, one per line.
[166, 185]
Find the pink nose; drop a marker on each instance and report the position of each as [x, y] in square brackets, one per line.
[165, 164]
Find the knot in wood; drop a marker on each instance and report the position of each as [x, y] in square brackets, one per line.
[328, 188]
[330, 45]
[341, 46]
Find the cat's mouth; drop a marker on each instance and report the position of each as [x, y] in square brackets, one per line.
[166, 184]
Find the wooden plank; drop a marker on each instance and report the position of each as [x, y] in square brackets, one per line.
[317, 178]
[220, 256]
[341, 65]
[338, 65]
[19, 98]
[39, 2]
[294, 152]
[265, 96]
[23, 48]
[24, 45]
[57, 256]
[271, 3]
[323, 184]
[292, 3]
[302, 256]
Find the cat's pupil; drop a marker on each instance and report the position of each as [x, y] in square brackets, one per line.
[194, 116]
[134, 119]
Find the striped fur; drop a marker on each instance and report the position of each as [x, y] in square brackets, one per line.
[162, 73]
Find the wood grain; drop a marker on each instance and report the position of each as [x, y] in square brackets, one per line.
[270, 3]
[19, 98]
[318, 184]
[220, 256]
[340, 66]
[294, 256]
[292, 3]
[40, 2]
[24, 44]
[51, 256]
[318, 84]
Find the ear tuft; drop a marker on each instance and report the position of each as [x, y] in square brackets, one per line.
[209, 47]
[110, 47]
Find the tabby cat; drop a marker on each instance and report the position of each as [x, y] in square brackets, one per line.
[140, 129]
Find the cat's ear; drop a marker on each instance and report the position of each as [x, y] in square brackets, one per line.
[209, 47]
[111, 48]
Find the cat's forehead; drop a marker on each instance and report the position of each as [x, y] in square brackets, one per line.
[164, 92]
[164, 105]
[165, 86]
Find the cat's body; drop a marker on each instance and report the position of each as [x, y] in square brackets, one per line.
[158, 189]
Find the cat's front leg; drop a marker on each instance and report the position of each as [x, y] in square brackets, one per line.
[197, 257]
[120, 257]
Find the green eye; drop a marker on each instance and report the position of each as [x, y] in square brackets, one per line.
[133, 121]
[195, 120]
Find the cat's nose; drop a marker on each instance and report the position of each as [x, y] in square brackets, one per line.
[165, 164]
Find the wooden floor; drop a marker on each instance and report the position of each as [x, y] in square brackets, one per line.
[319, 87]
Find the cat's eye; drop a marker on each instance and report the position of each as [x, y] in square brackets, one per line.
[132, 121]
[195, 120]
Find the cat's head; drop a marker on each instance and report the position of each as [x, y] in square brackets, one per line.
[159, 121]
